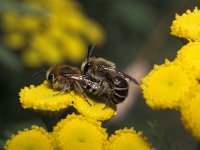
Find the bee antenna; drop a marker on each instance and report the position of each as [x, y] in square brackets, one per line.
[38, 73]
[90, 49]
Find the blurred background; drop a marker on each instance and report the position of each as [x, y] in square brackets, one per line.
[135, 34]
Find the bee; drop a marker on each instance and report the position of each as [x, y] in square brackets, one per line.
[114, 85]
[65, 78]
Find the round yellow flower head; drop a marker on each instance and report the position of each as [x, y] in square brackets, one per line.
[35, 139]
[128, 139]
[187, 25]
[165, 85]
[95, 110]
[189, 58]
[77, 132]
[190, 112]
[44, 98]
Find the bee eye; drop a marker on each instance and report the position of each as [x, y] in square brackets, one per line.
[87, 66]
[51, 77]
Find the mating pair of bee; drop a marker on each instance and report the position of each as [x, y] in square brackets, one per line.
[97, 77]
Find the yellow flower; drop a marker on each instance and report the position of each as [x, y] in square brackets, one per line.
[187, 25]
[15, 40]
[55, 30]
[44, 98]
[35, 139]
[128, 139]
[189, 58]
[42, 46]
[77, 132]
[165, 86]
[73, 42]
[190, 112]
[96, 110]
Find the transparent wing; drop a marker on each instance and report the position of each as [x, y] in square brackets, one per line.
[83, 79]
[124, 75]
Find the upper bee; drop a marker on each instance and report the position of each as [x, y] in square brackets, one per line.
[114, 84]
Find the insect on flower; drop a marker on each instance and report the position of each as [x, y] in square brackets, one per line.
[114, 85]
[65, 78]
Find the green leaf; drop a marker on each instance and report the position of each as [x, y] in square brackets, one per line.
[159, 136]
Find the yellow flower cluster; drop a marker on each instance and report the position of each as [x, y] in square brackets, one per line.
[43, 98]
[49, 31]
[175, 84]
[77, 132]
[183, 27]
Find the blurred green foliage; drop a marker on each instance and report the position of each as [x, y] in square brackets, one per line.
[129, 25]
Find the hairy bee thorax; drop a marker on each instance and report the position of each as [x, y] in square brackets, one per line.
[93, 63]
[92, 67]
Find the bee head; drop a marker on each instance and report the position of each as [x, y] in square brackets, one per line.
[93, 64]
[58, 76]
[87, 66]
[50, 75]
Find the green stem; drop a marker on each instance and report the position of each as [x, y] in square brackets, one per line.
[50, 118]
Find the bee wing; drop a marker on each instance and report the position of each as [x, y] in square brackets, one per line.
[122, 74]
[84, 80]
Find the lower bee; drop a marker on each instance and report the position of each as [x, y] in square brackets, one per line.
[65, 78]
[114, 84]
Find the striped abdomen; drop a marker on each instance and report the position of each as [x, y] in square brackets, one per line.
[120, 89]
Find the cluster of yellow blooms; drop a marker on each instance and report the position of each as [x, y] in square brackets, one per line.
[82, 130]
[174, 85]
[49, 31]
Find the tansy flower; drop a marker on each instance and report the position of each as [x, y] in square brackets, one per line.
[93, 109]
[77, 132]
[189, 58]
[48, 31]
[35, 139]
[187, 25]
[165, 86]
[128, 139]
[190, 112]
[43, 97]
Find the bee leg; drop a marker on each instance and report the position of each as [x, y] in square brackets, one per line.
[60, 92]
[79, 89]
[107, 104]
[65, 89]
